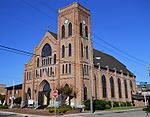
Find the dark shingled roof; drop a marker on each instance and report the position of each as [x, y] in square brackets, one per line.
[53, 34]
[147, 87]
[19, 86]
[110, 61]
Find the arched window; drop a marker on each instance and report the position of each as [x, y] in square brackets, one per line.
[69, 29]
[30, 75]
[70, 50]
[38, 62]
[85, 92]
[87, 56]
[51, 71]
[63, 69]
[81, 33]
[119, 88]
[131, 85]
[125, 88]
[40, 72]
[69, 68]
[36, 72]
[63, 31]
[81, 50]
[112, 87]
[104, 88]
[66, 68]
[63, 51]
[46, 51]
[42, 62]
[48, 71]
[27, 75]
[50, 61]
[46, 62]
[86, 31]
[54, 58]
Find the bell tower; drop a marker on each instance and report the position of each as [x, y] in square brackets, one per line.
[75, 48]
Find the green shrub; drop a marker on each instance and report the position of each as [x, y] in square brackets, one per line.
[61, 109]
[129, 103]
[51, 109]
[87, 104]
[109, 103]
[107, 106]
[102, 104]
[147, 109]
[17, 100]
[115, 104]
[99, 104]
[123, 104]
[2, 98]
[66, 106]
[3, 106]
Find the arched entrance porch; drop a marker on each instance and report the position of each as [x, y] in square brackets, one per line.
[44, 93]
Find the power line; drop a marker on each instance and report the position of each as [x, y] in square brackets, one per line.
[3, 49]
[120, 50]
[6, 48]
[110, 45]
[97, 43]
[22, 52]
[37, 9]
[139, 62]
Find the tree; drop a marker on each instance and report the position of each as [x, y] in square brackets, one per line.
[66, 91]
[2, 98]
[18, 100]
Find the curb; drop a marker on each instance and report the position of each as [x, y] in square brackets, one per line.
[119, 111]
[23, 115]
[103, 112]
[78, 114]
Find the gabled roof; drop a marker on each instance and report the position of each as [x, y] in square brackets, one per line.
[19, 86]
[146, 86]
[110, 61]
[53, 34]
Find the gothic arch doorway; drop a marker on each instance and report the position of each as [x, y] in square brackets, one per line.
[44, 93]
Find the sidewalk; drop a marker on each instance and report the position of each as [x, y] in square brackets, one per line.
[73, 115]
[103, 112]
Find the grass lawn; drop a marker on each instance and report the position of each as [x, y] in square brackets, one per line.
[124, 108]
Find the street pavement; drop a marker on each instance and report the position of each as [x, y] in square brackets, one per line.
[7, 114]
[131, 113]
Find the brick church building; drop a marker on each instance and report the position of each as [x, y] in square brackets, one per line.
[68, 57]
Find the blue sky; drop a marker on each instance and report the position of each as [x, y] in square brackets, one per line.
[125, 24]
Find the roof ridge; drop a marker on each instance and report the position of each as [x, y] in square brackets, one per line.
[53, 34]
[111, 61]
[110, 56]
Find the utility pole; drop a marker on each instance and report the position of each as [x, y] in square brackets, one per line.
[149, 69]
[90, 73]
[13, 96]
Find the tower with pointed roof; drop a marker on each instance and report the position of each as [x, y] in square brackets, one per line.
[68, 59]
